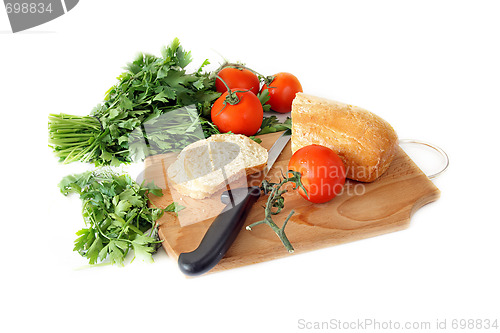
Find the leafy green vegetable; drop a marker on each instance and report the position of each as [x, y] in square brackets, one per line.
[149, 88]
[277, 201]
[264, 97]
[117, 216]
[271, 124]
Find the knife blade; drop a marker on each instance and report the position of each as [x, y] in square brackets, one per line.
[272, 156]
[226, 226]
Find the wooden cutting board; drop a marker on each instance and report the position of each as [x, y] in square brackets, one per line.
[362, 210]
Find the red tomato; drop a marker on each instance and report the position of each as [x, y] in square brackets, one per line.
[282, 92]
[245, 117]
[322, 172]
[237, 78]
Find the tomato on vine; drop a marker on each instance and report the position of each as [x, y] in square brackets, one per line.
[237, 78]
[282, 90]
[238, 111]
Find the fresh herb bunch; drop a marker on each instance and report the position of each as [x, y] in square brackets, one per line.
[150, 87]
[117, 216]
[276, 202]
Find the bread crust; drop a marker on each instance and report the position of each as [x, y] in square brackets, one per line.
[365, 142]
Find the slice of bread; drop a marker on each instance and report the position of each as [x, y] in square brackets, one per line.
[206, 166]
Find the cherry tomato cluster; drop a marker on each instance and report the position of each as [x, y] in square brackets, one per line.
[239, 109]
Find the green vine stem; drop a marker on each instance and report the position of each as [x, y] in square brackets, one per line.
[266, 79]
[277, 201]
[231, 98]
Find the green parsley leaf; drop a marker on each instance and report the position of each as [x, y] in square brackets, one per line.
[272, 124]
[264, 98]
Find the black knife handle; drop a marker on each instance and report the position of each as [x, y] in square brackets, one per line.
[221, 234]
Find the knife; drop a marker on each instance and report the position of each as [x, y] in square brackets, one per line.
[226, 226]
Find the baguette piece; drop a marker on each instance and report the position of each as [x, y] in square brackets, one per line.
[365, 142]
[206, 166]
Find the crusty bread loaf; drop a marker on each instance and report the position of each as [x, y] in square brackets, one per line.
[206, 166]
[365, 142]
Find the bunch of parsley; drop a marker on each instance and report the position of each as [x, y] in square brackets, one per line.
[117, 216]
[150, 87]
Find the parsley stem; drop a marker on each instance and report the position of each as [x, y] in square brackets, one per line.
[69, 140]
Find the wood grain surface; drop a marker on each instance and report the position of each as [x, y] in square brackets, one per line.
[362, 210]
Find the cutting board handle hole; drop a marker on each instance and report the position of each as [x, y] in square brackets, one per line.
[427, 156]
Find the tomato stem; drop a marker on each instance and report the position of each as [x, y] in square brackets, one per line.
[231, 97]
[267, 79]
[275, 203]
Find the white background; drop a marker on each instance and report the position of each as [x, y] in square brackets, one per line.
[431, 68]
